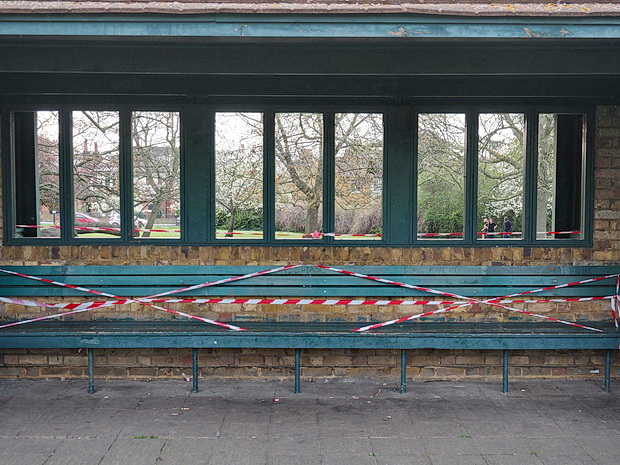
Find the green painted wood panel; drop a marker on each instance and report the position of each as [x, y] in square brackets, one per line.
[367, 25]
[310, 281]
[334, 335]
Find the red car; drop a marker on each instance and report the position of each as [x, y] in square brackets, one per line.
[84, 218]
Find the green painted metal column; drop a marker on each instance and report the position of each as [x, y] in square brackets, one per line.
[297, 371]
[403, 371]
[195, 370]
[91, 370]
[505, 378]
[399, 175]
[608, 354]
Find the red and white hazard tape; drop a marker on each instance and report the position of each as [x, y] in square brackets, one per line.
[313, 235]
[105, 294]
[498, 302]
[495, 302]
[85, 306]
[615, 302]
[279, 301]
[223, 281]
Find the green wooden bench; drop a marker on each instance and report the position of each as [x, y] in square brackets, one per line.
[312, 282]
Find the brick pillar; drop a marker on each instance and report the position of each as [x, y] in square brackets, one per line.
[607, 194]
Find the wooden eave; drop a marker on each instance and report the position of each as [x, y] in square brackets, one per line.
[529, 8]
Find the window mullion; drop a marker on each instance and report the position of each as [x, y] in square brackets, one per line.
[589, 181]
[531, 177]
[329, 181]
[471, 177]
[65, 148]
[269, 176]
[126, 175]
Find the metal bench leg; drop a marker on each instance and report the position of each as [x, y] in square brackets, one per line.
[608, 354]
[297, 371]
[403, 371]
[195, 370]
[91, 370]
[505, 386]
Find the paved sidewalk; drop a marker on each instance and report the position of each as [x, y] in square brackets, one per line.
[340, 422]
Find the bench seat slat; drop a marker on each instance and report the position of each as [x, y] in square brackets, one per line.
[308, 281]
[290, 335]
[274, 292]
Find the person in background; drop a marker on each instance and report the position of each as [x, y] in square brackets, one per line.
[491, 228]
[507, 227]
[485, 228]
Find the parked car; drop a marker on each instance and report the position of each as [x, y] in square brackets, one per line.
[115, 221]
[84, 218]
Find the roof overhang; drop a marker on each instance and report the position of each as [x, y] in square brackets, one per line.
[326, 26]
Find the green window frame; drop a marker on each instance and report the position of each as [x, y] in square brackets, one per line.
[399, 179]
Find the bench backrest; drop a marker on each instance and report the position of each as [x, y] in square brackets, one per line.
[309, 281]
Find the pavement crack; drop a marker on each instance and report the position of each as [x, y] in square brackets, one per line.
[108, 449]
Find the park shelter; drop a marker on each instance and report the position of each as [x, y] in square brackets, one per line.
[69, 70]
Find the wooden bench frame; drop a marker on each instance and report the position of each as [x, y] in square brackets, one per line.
[310, 281]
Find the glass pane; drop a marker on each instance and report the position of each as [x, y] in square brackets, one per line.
[156, 174]
[239, 175]
[37, 191]
[559, 200]
[96, 168]
[299, 175]
[359, 175]
[501, 144]
[441, 176]
[49, 177]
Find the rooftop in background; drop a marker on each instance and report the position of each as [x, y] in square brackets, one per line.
[530, 8]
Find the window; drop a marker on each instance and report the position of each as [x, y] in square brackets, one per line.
[358, 176]
[212, 174]
[96, 169]
[501, 175]
[156, 153]
[560, 186]
[299, 175]
[239, 175]
[441, 176]
[36, 136]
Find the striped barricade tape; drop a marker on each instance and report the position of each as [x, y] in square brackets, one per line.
[105, 294]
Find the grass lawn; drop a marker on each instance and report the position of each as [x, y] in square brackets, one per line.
[220, 234]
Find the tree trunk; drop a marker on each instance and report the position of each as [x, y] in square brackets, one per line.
[231, 223]
[312, 218]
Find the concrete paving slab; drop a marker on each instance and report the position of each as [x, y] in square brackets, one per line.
[606, 459]
[555, 446]
[458, 446]
[357, 459]
[561, 459]
[505, 445]
[475, 459]
[297, 459]
[139, 450]
[344, 446]
[171, 429]
[512, 459]
[357, 422]
[535, 429]
[397, 446]
[485, 429]
[81, 451]
[22, 459]
[599, 445]
[186, 451]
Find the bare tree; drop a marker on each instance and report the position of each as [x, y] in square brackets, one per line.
[156, 162]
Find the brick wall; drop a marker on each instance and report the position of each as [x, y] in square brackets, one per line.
[426, 364]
